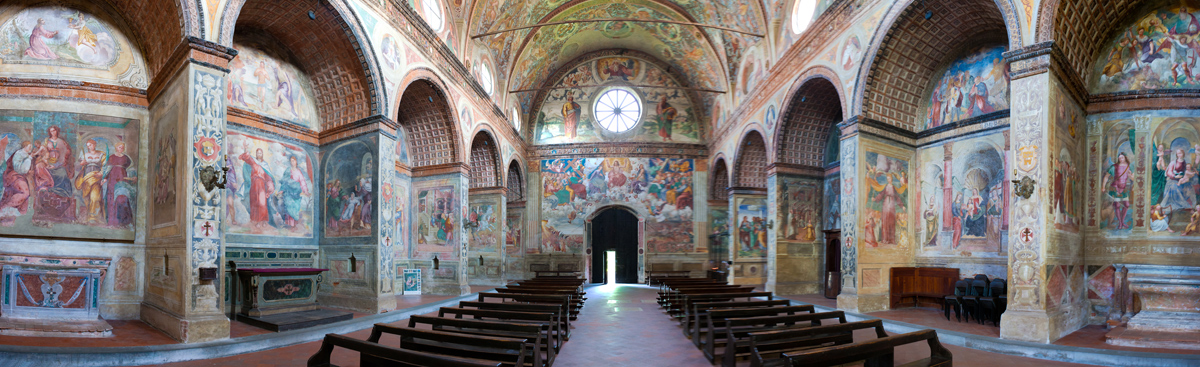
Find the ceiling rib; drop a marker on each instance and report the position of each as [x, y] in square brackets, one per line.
[544, 24]
[624, 85]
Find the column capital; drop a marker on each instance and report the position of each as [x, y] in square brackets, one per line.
[191, 50]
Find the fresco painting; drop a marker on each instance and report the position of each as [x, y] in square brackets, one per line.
[832, 202]
[886, 218]
[513, 228]
[68, 174]
[751, 239]
[400, 217]
[1158, 50]
[269, 187]
[437, 214]
[1173, 178]
[566, 112]
[1117, 171]
[482, 226]
[349, 173]
[932, 176]
[659, 188]
[972, 86]
[59, 36]
[264, 82]
[164, 167]
[962, 202]
[1066, 158]
[799, 209]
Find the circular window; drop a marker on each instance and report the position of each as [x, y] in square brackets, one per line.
[516, 118]
[802, 14]
[432, 11]
[618, 110]
[485, 76]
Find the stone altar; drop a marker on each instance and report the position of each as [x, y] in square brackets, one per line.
[281, 299]
[1160, 307]
[52, 296]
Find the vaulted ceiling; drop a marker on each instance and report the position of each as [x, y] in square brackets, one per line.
[701, 56]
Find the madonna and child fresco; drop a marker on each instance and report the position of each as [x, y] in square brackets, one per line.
[1157, 51]
[270, 187]
[659, 188]
[972, 86]
[68, 169]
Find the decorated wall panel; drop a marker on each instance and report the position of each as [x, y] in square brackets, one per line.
[800, 203]
[437, 210]
[68, 174]
[483, 227]
[751, 221]
[1156, 51]
[264, 80]
[348, 201]
[61, 42]
[831, 201]
[270, 188]
[885, 210]
[972, 86]
[660, 189]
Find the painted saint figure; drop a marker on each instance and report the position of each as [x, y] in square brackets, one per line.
[889, 199]
[570, 112]
[37, 42]
[90, 181]
[1176, 195]
[1158, 221]
[293, 189]
[15, 201]
[118, 207]
[262, 185]
[666, 119]
[1117, 179]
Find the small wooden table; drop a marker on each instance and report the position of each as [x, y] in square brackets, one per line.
[282, 299]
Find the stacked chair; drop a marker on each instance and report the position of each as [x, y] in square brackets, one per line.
[731, 322]
[979, 298]
[521, 325]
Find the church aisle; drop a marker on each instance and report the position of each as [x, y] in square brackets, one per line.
[623, 326]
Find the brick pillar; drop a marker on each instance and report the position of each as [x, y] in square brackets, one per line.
[188, 123]
[1043, 252]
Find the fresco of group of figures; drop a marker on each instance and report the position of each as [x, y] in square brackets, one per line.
[973, 217]
[68, 174]
[59, 36]
[885, 210]
[438, 214]
[349, 173]
[481, 224]
[1170, 157]
[1157, 51]
[750, 235]
[799, 209]
[1066, 162]
[660, 188]
[566, 114]
[266, 83]
[972, 86]
[269, 188]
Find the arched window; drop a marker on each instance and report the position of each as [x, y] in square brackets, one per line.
[486, 80]
[432, 11]
[802, 14]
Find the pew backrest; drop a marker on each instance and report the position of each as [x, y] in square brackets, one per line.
[875, 352]
[375, 354]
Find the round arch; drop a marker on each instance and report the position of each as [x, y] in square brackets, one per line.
[718, 188]
[807, 116]
[515, 180]
[974, 21]
[750, 165]
[641, 237]
[484, 164]
[423, 111]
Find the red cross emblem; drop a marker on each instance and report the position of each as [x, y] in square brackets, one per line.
[207, 227]
[1026, 235]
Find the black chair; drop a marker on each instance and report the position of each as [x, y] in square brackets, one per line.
[995, 305]
[970, 300]
[955, 301]
[980, 287]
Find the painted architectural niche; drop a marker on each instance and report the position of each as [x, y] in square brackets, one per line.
[963, 206]
[68, 174]
[659, 188]
[270, 186]
[266, 81]
[972, 86]
[1145, 54]
[438, 213]
[566, 112]
[60, 42]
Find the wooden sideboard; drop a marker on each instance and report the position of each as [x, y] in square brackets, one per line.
[913, 287]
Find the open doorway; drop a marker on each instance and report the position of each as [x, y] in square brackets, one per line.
[614, 230]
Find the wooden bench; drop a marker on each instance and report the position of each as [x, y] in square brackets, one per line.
[696, 313]
[877, 352]
[767, 347]
[574, 298]
[564, 321]
[536, 334]
[551, 319]
[690, 299]
[653, 276]
[665, 296]
[377, 355]
[913, 287]
[708, 336]
[563, 301]
[737, 330]
[507, 351]
[674, 303]
[556, 274]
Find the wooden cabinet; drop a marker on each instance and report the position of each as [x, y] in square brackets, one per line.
[913, 287]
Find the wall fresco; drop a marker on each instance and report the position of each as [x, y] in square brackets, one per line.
[963, 206]
[61, 41]
[799, 209]
[832, 202]
[437, 210]
[482, 226]
[68, 174]
[266, 82]
[1066, 162]
[1173, 178]
[885, 213]
[1119, 163]
[349, 174]
[269, 187]
[1158, 50]
[972, 86]
[751, 223]
[661, 189]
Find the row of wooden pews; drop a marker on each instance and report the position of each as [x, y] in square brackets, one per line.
[523, 324]
[734, 322]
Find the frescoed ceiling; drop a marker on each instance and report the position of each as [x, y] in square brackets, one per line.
[702, 56]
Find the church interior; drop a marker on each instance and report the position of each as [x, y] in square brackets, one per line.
[722, 182]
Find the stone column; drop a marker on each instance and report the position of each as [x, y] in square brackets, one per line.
[1040, 251]
[451, 276]
[848, 299]
[749, 259]
[185, 243]
[484, 242]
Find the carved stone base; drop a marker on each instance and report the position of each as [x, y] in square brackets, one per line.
[862, 303]
[1030, 326]
[55, 328]
[192, 329]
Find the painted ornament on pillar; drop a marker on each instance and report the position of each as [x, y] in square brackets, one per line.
[886, 208]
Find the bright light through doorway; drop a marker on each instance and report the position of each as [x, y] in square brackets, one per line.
[610, 271]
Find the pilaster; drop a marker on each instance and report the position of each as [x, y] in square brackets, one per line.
[750, 239]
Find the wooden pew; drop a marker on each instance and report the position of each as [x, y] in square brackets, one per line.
[562, 301]
[767, 347]
[536, 334]
[652, 276]
[507, 351]
[551, 319]
[737, 343]
[690, 299]
[557, 310]
[375, 354]
[877, 352]
[710, 335]
[674, 302]
[696, 313]
[573, 297]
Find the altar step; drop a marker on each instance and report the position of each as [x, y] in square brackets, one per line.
[1127, 337]
[296, 320]
[97, 328]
